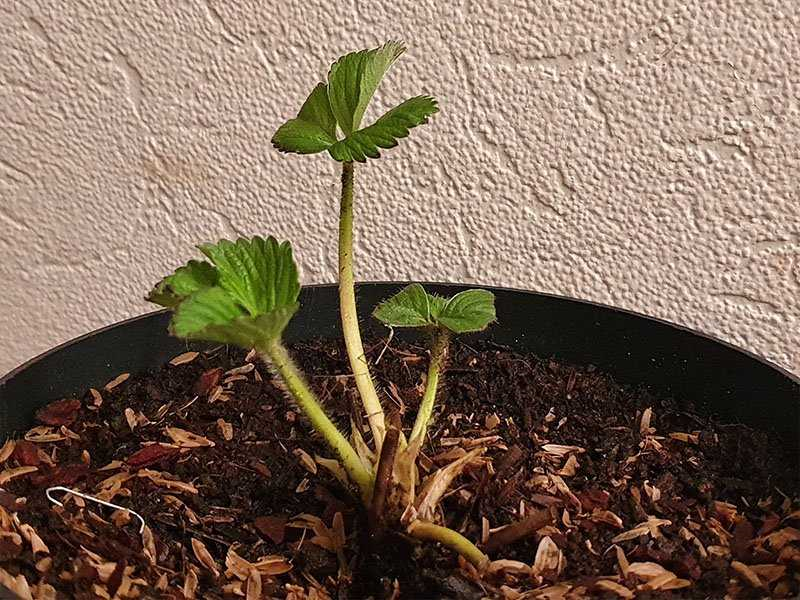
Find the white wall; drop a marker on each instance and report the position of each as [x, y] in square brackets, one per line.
[642, 154]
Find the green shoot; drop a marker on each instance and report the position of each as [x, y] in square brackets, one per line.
[467, 311]
[441, 340]
[423, 530]
[340, 103]
[349, 314]
[246, 296]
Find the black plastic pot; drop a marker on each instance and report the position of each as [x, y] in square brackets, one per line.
[719, 378]
[731, 383]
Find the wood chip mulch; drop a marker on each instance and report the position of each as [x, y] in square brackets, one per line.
[576, 487]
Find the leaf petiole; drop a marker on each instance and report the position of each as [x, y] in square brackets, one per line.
[276, 355]
[441, 341]
[349, 314]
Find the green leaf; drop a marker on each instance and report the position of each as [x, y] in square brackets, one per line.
[213, 316]
[192, 277]
[385, 132]
[247, 296]
[208, 307]
[301, 137]
[259, 274]
[353, 79]
[314, 128]
[470, 310]
[410, 307]
[317, 109]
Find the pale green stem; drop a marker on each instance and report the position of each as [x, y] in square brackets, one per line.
[277, 356]
[450, 538]
[441, 339]
[347, 304]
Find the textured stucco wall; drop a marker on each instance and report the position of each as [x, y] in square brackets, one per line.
[640, 153]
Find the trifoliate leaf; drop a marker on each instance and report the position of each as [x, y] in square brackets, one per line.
[246, 297]
[352, 82]
[470, 310]
[194, 276]
[314, 128]
[353, 79]
[385, 132]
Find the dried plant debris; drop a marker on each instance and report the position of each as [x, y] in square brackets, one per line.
[575, 486]
[184, 358]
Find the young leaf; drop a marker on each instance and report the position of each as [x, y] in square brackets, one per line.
[385, 132]
[470, 310]
[192, 277]
[259, 274]
[209, 317]
[467, 311]
[209, 307]
[353, 79]
[247, 296]
[314, 128]
[352, 82]
[410, 307]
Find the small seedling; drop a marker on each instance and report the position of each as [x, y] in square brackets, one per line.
[338, 105]
[247, 291]
[467, 311]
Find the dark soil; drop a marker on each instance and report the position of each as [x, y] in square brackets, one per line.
[718, 498]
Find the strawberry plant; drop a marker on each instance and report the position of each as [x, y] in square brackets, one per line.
[246, 292]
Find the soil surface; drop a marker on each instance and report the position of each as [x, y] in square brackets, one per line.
[587, 488]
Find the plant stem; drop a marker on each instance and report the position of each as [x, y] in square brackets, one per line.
[347, 305]
[441, 339]
[277, 356]
[450, 538]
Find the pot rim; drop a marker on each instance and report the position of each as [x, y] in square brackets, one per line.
[748, 353]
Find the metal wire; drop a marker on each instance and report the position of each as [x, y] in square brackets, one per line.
[67, 490]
